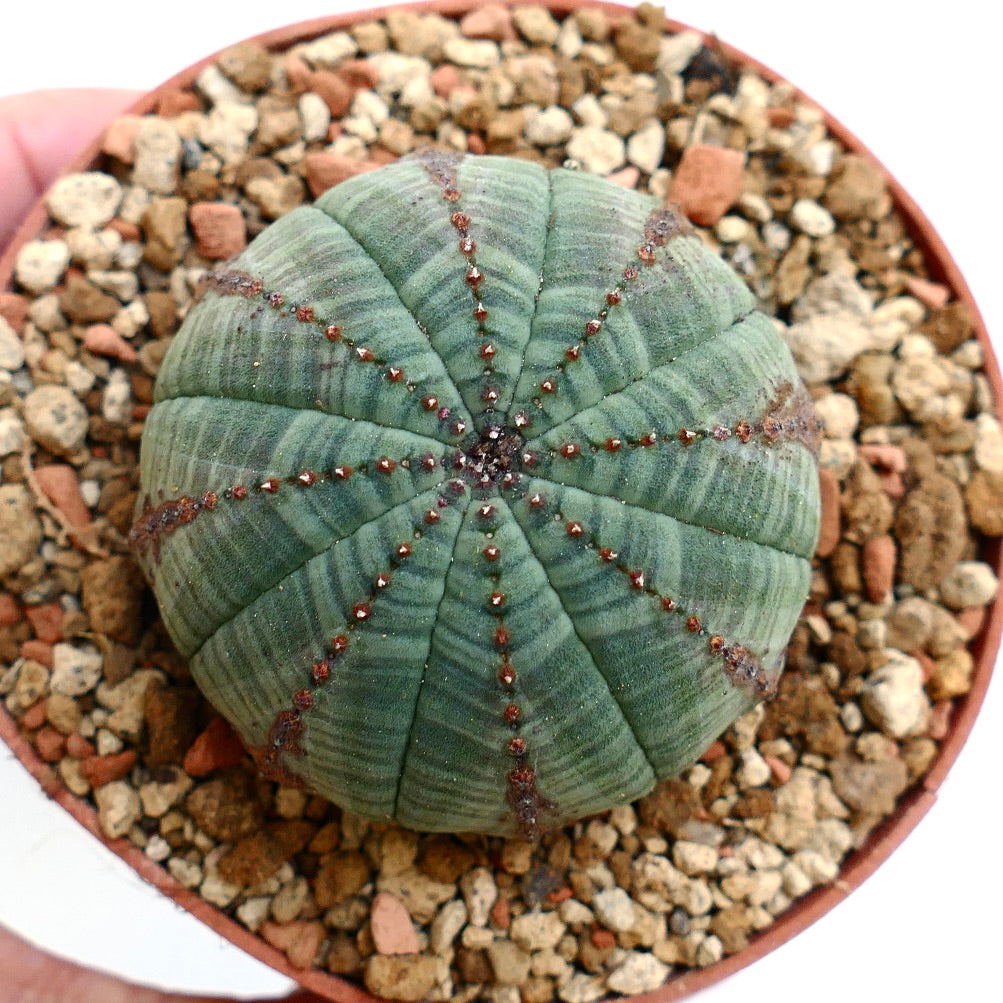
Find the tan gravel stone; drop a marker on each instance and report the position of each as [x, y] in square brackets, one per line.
[401, 977]
[20, 529]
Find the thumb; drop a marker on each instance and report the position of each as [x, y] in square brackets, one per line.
[39, 134]
[33, 976]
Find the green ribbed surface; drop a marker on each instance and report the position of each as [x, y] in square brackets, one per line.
[360, 330]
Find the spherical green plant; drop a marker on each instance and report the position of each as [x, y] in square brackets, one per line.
[480, 497]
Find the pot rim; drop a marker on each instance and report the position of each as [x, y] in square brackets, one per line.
[860, 863]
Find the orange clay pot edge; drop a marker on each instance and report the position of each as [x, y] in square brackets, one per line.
[858, 865]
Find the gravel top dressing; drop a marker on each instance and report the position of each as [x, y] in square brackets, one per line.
[911, 475]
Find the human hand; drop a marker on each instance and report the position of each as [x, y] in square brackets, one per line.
[39, 134]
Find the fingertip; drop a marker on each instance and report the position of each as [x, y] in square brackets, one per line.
[40, 132]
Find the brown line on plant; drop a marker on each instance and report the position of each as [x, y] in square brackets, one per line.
[230, 282]
[155, 522]
[788, 417]
[660, 227]
[742, 666]
[284, 735]
[523, 793]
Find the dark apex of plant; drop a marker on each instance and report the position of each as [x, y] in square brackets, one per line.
[479, 496]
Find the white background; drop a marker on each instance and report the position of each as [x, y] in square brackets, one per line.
[922, 91]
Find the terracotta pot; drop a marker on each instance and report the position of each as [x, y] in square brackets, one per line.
[858, 866]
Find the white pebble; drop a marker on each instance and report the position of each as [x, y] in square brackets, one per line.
[614, 908]
[676, 51]
[537, 931]
[969, 583]
[94, 248]
[796, 882]
[988, 449]
[536, 25]
[582, 988]
[118, 808]
[479, 893]
[821, 156]
[569, 39]
[893, 696]
[79, 378]
[811, 218]
[217, 890]
[131, 319]
[226, 130]
[187, 873]
[328, 51]
[12, 432]
[776, 236]
[589, 111]
[599, 151]
[11, 347]
[315, 116]
[817, 868]
[158, 155]
[89, 199]
[75, 671]
[254, 911]
[472, 52]
[41, 263]
[838, 414]
[446, 925]
[157, 848]
[732, 229]
[754, 771]
[218, 89]
[646, 146]
[851, 716]
[116, 401]
[549, 126]
[824, 345]
[575, 913]
[694, 858]
[710, 951]
[395, 71]
[639, 972]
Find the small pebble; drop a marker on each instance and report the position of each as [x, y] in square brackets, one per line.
[474, 53]
[12, 432]
[598, 150]
[219, 229]
[536, 24]
[549, 127]
[614, 908]
[103, 339]
[707, 182]
[969, 583]
[878, 557]
[893, 696]
[537, 931]
[75, 671]
[638, 972]
[41, 263]
[988, 449]
[89, 199]
[646, 146]
[118, 808]
[391, 926]
[488, 20]
[156, 156]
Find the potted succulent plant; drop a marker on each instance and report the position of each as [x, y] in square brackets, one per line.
[149, 536]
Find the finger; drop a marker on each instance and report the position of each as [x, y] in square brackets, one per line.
[39, 134]
[32, 976]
